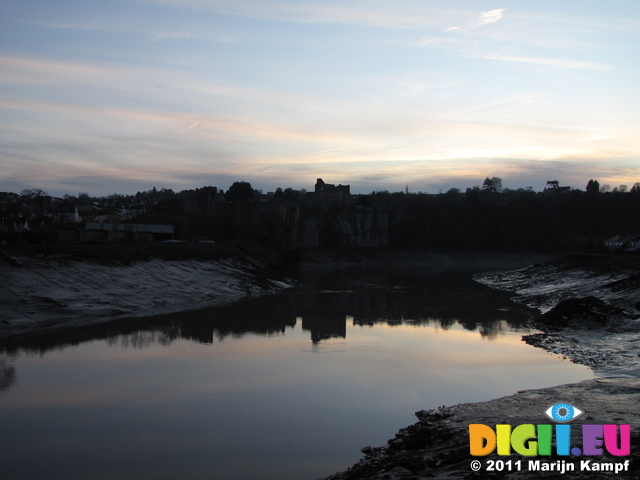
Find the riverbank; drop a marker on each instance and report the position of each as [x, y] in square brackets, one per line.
[70, 290]
[72, 286]
[601, 332]
[590, 310]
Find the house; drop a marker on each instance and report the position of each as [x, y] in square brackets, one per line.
[628, 243]
[613, 243]
[633, 245]
[68, 217]
[125, 232]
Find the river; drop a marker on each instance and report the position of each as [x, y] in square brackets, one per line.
[287, 386]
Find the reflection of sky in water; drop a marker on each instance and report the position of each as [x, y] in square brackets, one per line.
[300, 409]
[198, 395]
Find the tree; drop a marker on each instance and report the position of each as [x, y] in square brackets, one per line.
[239, 192]
[33, 193]
[39, 197]
[553, 184]
[593, 187]
[493, 184]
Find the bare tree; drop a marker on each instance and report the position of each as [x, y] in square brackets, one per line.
[493, 184]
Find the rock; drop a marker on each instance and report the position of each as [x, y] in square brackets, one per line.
[588, 313]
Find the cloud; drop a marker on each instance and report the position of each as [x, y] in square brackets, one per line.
[153, 30]
[517, 99]
[389, 15]
[188, 128]
[491, 16]
[24, 71]
[553, 62]
[309, 63]
[264, 111]
[127, 84]
[485, 18]
[164, 35]
[593, 139]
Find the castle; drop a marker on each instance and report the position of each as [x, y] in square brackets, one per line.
[328, 194]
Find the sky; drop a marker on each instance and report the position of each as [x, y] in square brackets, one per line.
[122, 96]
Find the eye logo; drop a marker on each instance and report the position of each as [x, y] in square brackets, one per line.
[563, 412]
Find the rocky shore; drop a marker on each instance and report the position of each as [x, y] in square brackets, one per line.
[589, 314]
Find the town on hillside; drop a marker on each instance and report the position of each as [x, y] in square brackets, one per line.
[487, 217]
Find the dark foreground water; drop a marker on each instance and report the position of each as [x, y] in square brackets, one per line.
[284, 387]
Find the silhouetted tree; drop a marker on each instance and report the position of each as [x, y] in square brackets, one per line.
[239, 192]
[38, 196]
[593, 187]
[493, 184]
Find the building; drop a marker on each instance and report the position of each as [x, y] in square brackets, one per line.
[328, 194]
[125, 232]
[628, 243]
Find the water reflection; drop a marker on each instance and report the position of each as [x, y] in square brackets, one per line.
[285, 387]
[7, 374]
[322, 310]
[323, 306]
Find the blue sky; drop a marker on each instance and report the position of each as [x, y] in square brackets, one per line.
[120, 96]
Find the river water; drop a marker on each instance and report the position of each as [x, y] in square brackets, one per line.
[289, 386]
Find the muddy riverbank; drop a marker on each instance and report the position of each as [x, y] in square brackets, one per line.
[96, 286]
[600, 330]
[46, 293]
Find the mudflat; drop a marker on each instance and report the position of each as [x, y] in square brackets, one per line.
[589, 314]
[48, 292]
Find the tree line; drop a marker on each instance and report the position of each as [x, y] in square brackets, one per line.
[486, 217]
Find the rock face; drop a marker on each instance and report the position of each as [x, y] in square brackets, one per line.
[310, 224]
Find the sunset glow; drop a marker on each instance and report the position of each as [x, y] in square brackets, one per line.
[117, 97]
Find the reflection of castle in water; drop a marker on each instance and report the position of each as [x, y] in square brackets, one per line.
[7, 374]
[321, 312]
[325, 314]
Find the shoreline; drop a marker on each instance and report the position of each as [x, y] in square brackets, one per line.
[437, 445]
[589, 316]
[53, 294]
[46, 294]
[66, 291]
